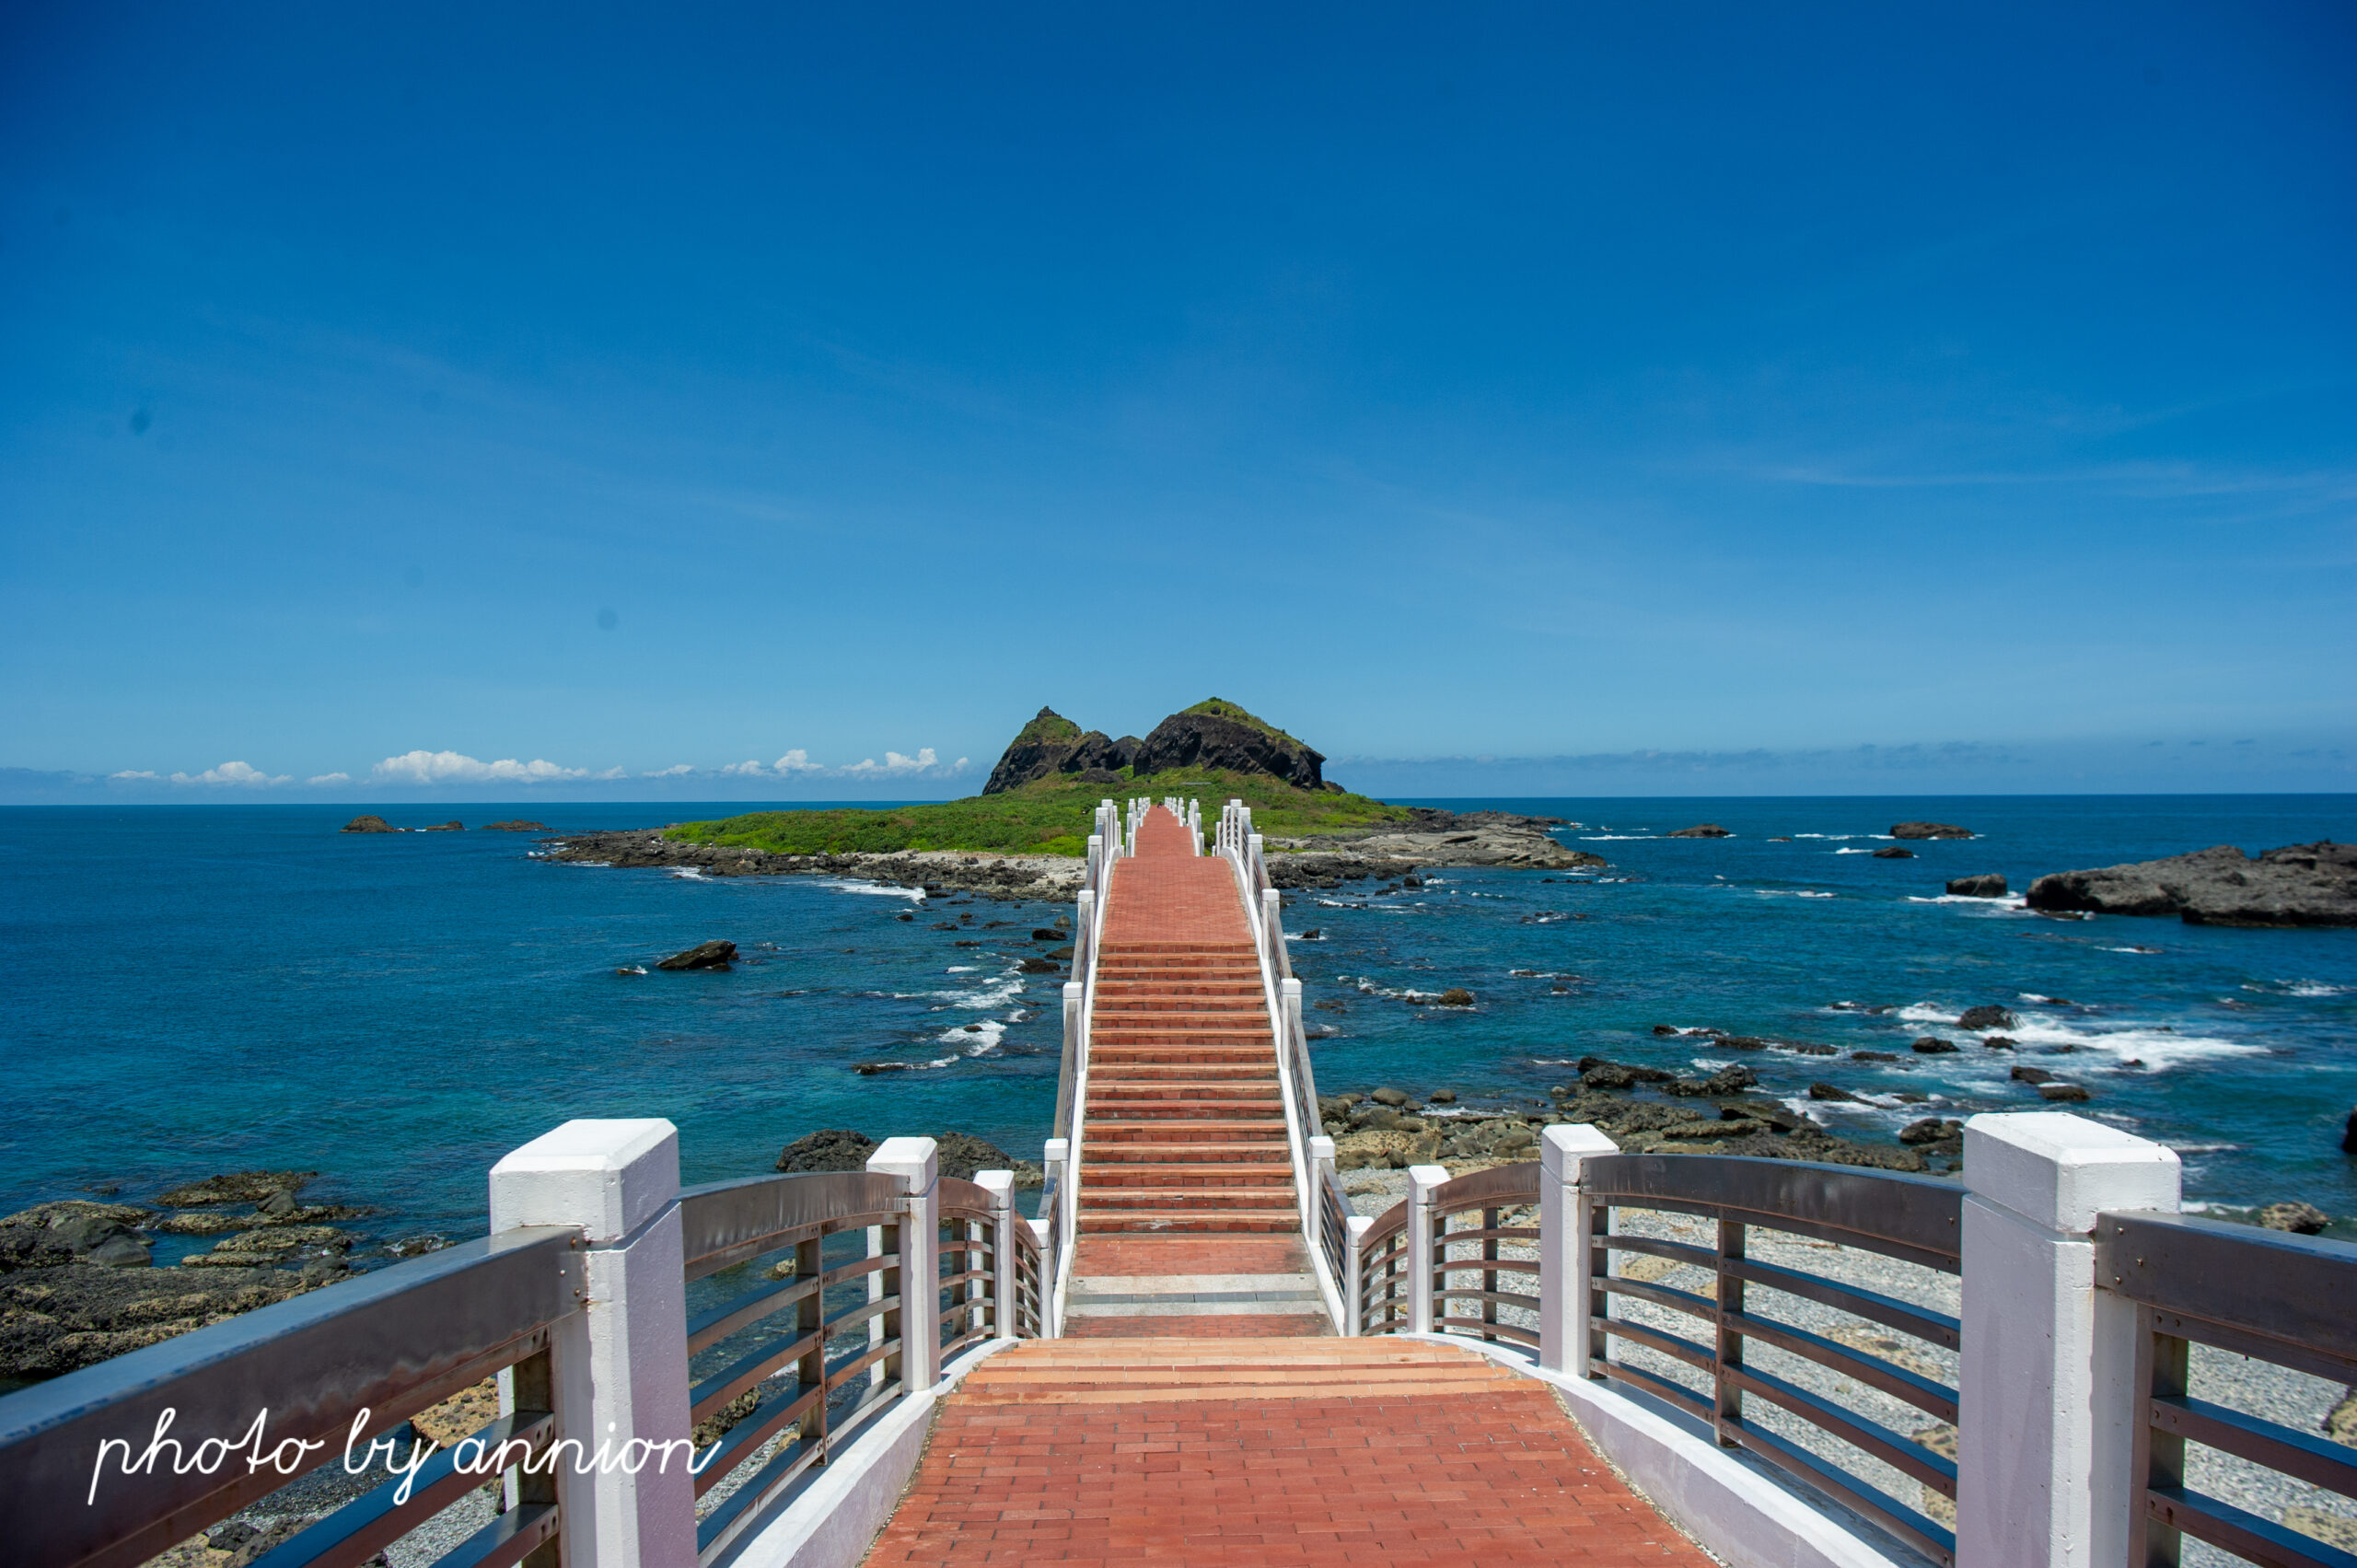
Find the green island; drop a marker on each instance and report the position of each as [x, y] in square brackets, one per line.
[1041, 795]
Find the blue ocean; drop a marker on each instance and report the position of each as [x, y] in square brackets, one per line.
[198, 989]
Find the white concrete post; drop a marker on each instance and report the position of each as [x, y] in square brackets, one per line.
[1423, 1232]
[1272, 920]
[2046, 1410]
[1565, 1232]
[1056, 1159]
[1354, 1273]
[912, 1161]
[1006, 1281]
[622, 1365]
[1321, 1166]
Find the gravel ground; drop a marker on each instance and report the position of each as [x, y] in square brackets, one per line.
[2261, 1389]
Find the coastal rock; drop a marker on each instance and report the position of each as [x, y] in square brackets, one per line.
[514, 825]
[2026, 1074]
[369, 824]
[1600, 1073]
[1048, 878]
[1829, 1091]
[59, 1319]
[1040, 965]
[830, 1148]
[1932, 1129]
[1987, 886]
[237, 1186]
[1894, 852]
[2297, 885]
[1455, 996]
[1725, 1081]
[452, 826]
[1929, 831]
[702, 955]
[75, 1229]
[1980, 1020]
[2067, 1094]
[1391, 1097]
[961, 1155]
[1700, 831]
[2300, 1219]
[1933, 1045]
[1384, 1149]
[1429, 837]
[1442, 1096]
[2349, 1134]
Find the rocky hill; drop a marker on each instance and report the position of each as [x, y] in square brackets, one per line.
[1212, 736]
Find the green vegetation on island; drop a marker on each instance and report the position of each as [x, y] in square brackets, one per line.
[1043, 793]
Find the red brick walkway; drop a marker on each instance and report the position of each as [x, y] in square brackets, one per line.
[1308, 1452]
[1187, 1205]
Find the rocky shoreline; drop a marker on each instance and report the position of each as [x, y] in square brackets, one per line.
[1430, 838]
[79, 1281]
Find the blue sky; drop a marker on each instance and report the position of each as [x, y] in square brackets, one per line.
[630, 392]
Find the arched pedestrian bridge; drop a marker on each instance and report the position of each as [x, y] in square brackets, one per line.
[1198, 1353]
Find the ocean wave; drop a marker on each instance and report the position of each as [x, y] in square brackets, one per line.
[975, 1039]
[2157, 1048]
[914, 895]
[689, 874]
[1854, 852]
[2131, 949]
[1614, 838]
[2009, 905]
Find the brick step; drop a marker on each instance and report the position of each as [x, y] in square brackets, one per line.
[1101, 1071]
[1120, 982]
[1106, 1175]
[1182, 1222]
[1097, 1155]
[1244, 1003]
[1238, 1021]
[1110, 1199]
[1118, 1131]
[1103, 1091]
[1184, 1111]
[1131, 948]
[1260, 1054]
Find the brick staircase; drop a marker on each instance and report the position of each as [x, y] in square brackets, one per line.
[1153, 1371]
[1185, 1132]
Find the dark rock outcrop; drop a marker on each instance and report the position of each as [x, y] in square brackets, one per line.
[2297, 885]
[369, 824]
[1216, 734]
[830, 1148]
[237, 1186]
[1829, 1091]
[702, 955]
[1987, 886]
[1933, 1045]
[1929, 831]
[2300, 1219]
[1893, 852]
[514, 825]
[1700, 831]
[2067, 1094]
[1980, 1020]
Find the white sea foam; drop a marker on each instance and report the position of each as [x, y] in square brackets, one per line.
[960, 969]
[1830, 836]
[1854, 852]
[975, 1041]
[914, 895]
[688, 874]
[1614, 838]
[2317, 988]
[2159, 1048]
[2007, 905]
[2131, 949]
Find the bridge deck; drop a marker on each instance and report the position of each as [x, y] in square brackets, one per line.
[1200, 1410]
[1187, 1217]
[1297, 1452]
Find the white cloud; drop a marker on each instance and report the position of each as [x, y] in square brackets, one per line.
[798, 762]
[612, 774]
[745, 770]
[893, 763]
[243, 773]
[329, 779]
[452, 766]
[150, 773]
[673, 771]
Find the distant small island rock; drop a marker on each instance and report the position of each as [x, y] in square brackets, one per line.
[2297, 885]
[1700, 831]
[517, 826]
[452, 826]
[1929, 831]
[702, 955]
[369, 824]
[1988, 885]
[1892, 852]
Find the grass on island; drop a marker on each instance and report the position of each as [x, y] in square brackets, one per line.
[1051, 817]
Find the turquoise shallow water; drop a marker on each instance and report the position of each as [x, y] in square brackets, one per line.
[193, 989]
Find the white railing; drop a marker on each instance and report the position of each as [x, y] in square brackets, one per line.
[1313, 1154]
[1060, 1206]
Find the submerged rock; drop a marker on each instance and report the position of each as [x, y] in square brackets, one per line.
[514, 825]
[370, 824]
[1929, 831]
[1700, 831]
[237, 1186]
[1893, 852]
[2297, 885]
[1933, 1045]
[830, 1148]
[1981, 1019]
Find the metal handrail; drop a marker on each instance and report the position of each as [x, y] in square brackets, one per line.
[1911, 1218]
[393, 1341]
[2264, 1294]
[1489, 1193]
